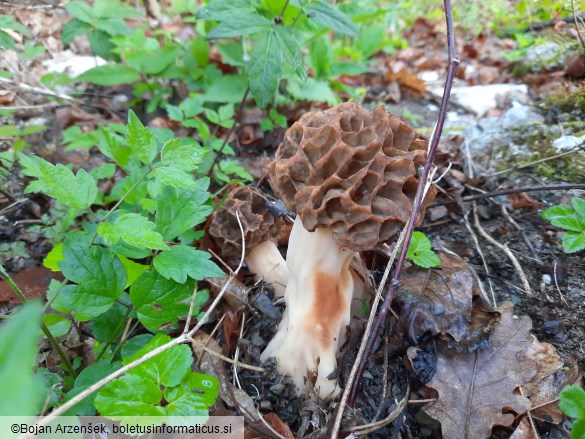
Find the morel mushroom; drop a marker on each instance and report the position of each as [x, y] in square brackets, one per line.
[260, 227]
[351, 176]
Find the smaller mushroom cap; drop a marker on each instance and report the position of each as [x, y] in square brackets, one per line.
[258, 223]
[351, 170]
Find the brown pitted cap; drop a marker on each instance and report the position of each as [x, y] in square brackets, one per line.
[258, 223]
[351, 170]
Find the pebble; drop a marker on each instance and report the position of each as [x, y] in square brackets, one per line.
[257, 341]
[265, 405]
[546, 279]
[277, 389]
[263, 304]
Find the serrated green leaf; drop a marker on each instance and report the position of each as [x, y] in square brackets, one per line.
[208, 384]
[105, 171]
[320, 58]
[174, 112]
[100, 278]
[72, 29]
[9, 131]
[578, 429]
[579, 206]
[573, 401]
[291, 50]
[183, 401]
[160, 302]
[113, 26]
[8, 22]
[100, 44]
[133, 229]
[331, 17]
[265, 68]
[219, 10]
[135, 344]
[239, 25]
[57, 324]
[175, 177]
[81, 10]
[181, 261]
[21, 389]
[178, 210]
[140, 139]
[427, 259]
[110, 74]
[168, 368]
[58, 181]
[130, 395]
[573, 242]
[53, 258]
[185, 156]
[313, 90]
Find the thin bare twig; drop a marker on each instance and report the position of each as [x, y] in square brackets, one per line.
[423, 179]
[577, 24]
[505, 249]
[227, 359]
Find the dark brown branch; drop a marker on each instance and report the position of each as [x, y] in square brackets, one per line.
[395, 283]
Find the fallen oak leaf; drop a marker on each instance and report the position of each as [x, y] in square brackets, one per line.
[475, 389]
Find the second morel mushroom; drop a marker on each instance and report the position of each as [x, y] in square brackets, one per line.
[351, 177]
[261, 228]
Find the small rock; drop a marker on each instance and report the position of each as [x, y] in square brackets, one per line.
[266, 405]
[263, 304]
[564, 143]
[436, 213]
[546, 279]
[277, 389]
[257, 341]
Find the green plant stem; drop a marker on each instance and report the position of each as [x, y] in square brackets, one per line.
[4, 275]
[229, 134]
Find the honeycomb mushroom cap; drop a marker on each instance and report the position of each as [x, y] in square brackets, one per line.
[351, 170]
[258, 223]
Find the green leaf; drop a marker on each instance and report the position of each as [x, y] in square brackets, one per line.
[8, 22]
[573, 241]
[578, 429]
[110, 74]
[219, 10]
[130, 395]
[160, 302]
[9, 131]
[183, 401]
[178, 210]
[53, 258]
[228, 88]
[573, 401]
[419, 251]
[557, 212]
[100, 44]
[6, 41]
[88, 376]
[289, 46]
[569, 223]
[181, 261]
[579, 206]
[72, 29]
[133, 270]
[133, 229]
[239, 25]
[168, 368]
[320, 56]
[313, 90]
[135, 344]
[105, 171]
[21, 389]
[181, 155]
[331, 17]
[207, 384]
[175, 177]
[140, 139]
[81, 10]
[57, 324]
[100, 278]
[109, 325]
[75, 190]
[265, 68]
[174, 112]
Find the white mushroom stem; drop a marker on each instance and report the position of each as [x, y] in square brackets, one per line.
[318, 299]
[266, 262]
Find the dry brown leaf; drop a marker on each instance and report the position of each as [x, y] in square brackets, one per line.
[521, 201]
[547, 361]
[441, 301]
[524, 430]
[474, 389]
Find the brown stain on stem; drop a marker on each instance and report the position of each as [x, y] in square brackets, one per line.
[329, 306]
